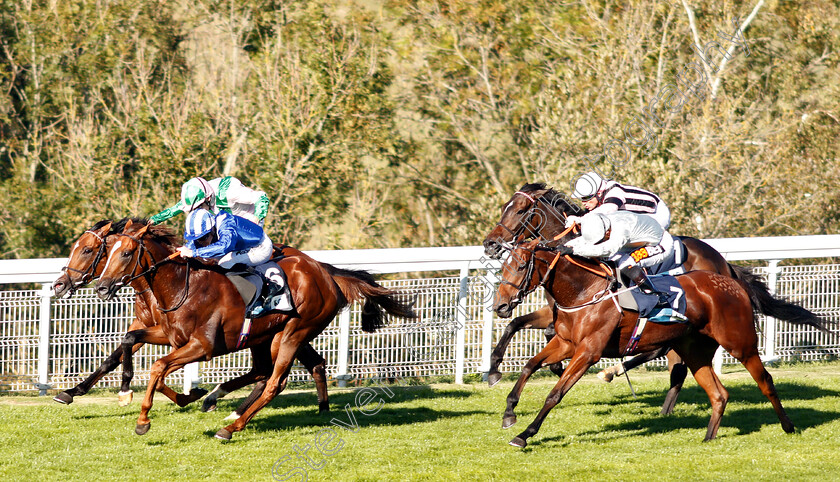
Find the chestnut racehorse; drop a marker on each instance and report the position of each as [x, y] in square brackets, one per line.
[719, 311]
[536, 211]
[87, 259]
[205, 315]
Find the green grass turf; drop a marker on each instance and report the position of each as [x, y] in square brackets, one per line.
[443, 432]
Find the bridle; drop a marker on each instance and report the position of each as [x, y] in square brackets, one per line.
[151, 270]
[524, 222]
[87, 274]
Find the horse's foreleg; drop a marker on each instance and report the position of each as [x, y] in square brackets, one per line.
[260, 369]
[192, 351]
[131, 342]
[699, 360]
[108, 365]
[316, 366]
[581, 361]
[282, 365]
[556, 351]
[539, 319]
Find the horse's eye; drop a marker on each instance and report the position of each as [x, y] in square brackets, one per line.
[87, 250]
[126, 254]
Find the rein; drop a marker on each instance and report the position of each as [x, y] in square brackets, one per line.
[151, 270]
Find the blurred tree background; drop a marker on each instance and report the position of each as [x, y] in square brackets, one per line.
[398, 123]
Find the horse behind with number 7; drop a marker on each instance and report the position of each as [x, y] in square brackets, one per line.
[719, 313]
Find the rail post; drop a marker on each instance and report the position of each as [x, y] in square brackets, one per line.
[343, 347]
[773, 271]
[461, 325]
[44, 339]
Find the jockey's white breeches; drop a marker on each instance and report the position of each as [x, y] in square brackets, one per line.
[255, 256]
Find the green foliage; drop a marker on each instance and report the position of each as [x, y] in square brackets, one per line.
[400, 123]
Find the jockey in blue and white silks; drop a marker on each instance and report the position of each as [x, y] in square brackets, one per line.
[226, 194]
[632, 241]
[605, 196]
[235, 240]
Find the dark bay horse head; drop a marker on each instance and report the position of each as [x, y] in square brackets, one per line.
[534, 211]
[138, 247]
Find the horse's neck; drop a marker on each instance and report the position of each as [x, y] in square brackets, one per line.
[574, 285]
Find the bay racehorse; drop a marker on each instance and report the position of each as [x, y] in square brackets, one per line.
[205, 315]
[719, 311]
[536, 211]
[86, 261]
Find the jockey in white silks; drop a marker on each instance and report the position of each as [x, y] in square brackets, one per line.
[226, 194]
[632, 241]
[604, 196]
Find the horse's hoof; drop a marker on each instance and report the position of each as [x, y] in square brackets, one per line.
[64, 398]
[509, 421]
[557, 369]
[125, 397]
[788, 427]
[493, 378]
[323, 407]
[603, 375]
[224, 434]
[518, 442]
[209, 405]
[183, 400]
[142, 428]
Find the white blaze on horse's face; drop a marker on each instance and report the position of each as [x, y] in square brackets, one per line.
[111, 255]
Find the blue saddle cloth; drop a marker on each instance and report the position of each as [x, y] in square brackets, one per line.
[668, 285]
[673, 263]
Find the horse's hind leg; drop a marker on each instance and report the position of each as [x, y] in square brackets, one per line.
[678, 373]
[607, 374]
[260, 369]
[539, 319]
[765, 382]
[316, 365]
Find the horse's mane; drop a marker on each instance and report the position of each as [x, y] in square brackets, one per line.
[157, 232]
[555, 198]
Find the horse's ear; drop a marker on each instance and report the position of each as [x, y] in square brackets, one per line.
[128, 224]
[104, 229]
[142, 230]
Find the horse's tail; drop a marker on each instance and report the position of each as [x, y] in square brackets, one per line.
[356, 285]
[772, 306]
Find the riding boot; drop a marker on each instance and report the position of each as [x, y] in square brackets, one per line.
[638, 276]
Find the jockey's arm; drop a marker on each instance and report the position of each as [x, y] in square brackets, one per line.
[618, 238]
[226, 232]
[166, 214]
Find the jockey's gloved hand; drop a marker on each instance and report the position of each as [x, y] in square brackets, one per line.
[185, 252]
[563, 250]
[572, 220]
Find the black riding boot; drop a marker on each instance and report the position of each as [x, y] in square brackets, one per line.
[638, 276]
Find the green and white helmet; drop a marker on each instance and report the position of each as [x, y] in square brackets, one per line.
[194, 192]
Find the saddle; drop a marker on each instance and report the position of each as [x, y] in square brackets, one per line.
[257, 294]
